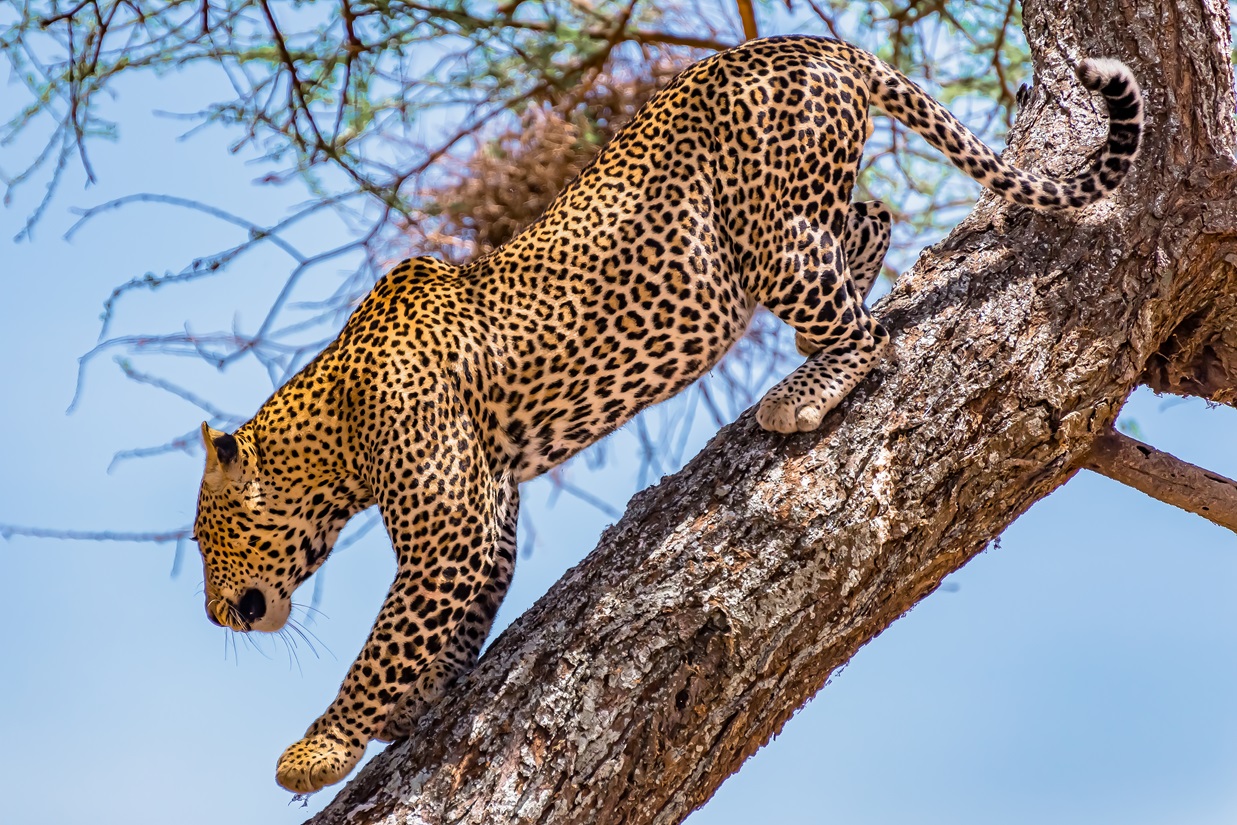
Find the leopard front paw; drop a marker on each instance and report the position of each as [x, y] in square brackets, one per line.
[788, 414]
[318, 760]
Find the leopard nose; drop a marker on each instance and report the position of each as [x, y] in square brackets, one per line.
[252, 606]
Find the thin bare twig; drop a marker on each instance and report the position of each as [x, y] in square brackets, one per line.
[8, 531]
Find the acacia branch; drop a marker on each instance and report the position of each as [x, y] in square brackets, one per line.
[1165, 478]
[600, 32]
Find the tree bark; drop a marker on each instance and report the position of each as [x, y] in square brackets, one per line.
[728, 594]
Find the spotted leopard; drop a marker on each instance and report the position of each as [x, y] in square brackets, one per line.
[449, 386]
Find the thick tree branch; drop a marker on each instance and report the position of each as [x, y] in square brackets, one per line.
[1165, 478]
[726, 595]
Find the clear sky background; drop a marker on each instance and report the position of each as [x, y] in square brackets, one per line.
[1083, 671]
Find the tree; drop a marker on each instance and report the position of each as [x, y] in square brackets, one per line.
[728, 594]
[1039, 394]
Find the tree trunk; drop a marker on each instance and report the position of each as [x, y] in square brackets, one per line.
[730, 592]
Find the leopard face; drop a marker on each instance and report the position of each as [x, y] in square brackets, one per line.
[261, 533]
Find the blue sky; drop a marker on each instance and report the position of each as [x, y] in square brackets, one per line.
[1082, 671]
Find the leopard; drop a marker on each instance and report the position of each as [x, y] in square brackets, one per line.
[450, 385]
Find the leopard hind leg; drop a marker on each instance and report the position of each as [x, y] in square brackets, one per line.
[869, 225]
[868, 230]
[813, 291]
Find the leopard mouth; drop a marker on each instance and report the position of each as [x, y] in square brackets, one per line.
[223, 614]
[219, 612]
[251, 611]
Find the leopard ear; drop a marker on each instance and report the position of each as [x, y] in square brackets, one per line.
[221, 453]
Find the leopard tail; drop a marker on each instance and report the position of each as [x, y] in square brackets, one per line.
[902, 99]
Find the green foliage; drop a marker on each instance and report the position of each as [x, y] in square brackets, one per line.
[316, 83]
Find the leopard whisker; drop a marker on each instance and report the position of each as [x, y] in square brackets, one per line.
[293, 655]
[252, 642]
[310, 611]
[229, 640]
[309, 638]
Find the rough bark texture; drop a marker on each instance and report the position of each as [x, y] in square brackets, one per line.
[730, 592]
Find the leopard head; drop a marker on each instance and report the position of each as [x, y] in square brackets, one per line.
[262, 527]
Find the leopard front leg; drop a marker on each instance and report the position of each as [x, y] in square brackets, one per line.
[461, 654]
[810, 288]
[447, 527]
